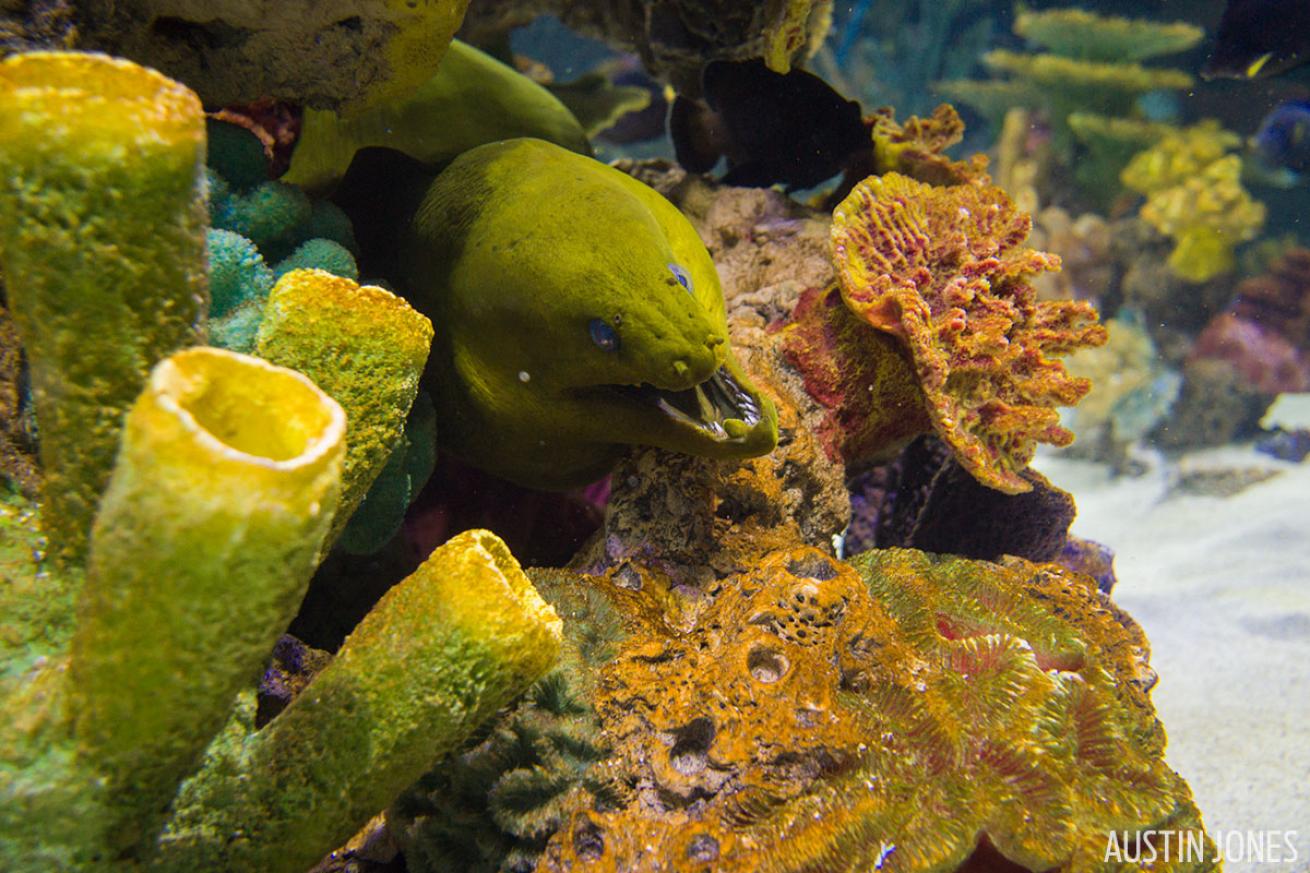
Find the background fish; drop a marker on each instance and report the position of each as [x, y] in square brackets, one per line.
[792, 129]
[1282, 143]
[1260, 38]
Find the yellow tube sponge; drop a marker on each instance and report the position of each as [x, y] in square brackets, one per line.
[440, 653]
[208, 533]
[102, 243]
[365, 347]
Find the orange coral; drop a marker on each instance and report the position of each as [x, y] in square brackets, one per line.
[909, 712]
[944, 271]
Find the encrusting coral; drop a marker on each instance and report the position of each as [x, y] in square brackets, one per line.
[941, 276]
[101, 208]
[324, 55]
[675, 39]
[1264, 335]
[909, 712]
[1194, 191]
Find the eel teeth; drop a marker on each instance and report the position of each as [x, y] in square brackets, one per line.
[719, 406]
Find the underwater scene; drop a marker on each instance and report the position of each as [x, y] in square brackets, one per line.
[667, 436]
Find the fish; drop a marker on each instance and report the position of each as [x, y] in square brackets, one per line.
[792, 129]
[1282, 142]
[472, 99]
[1258, 39]
[577, 313]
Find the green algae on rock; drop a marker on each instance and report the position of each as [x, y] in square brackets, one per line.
[102, 241]
[365, 347]
[576, 312]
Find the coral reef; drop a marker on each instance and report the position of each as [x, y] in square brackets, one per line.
[1215, 405]
[674, 39]
[362, 345]
[1088, 268]
[1195, 195]
[1092, 60]
[121, 673]
[917, 148]
[102, 208]
[1072, 32]
[895, 56]
[494, 805]
[926, 500]
[382, 511]
[325, 55]
[31, 26]
[222, 455]
[1131, 392]
[956, 300]
[439, 654]
[1010, 702]
[1265, 333]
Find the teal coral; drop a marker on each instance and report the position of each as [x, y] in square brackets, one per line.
[237, 273]
[319, 254]
[267, 214]
[382, 510]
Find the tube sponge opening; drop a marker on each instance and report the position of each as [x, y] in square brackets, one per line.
[226, 483]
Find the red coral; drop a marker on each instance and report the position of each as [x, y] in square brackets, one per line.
[275, 123]
[944, 271]
[864, 380]
[1265, 333]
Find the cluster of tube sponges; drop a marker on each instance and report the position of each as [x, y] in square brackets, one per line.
[189, 494]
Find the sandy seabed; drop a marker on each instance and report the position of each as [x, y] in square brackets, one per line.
[1222, 587]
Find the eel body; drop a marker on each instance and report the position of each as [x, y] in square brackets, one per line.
[577, 313]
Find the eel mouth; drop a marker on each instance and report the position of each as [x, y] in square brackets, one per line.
[720, 407]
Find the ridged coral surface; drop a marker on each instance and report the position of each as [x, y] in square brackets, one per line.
[906, 712]
[944, 270]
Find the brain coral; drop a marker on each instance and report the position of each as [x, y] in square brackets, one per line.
[943, 271]
[904, 712]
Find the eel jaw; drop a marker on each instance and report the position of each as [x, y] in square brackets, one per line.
[719, 408]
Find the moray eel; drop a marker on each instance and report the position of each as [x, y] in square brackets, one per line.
[472, 99]
[577, 313]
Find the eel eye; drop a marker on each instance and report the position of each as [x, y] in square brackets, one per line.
[683, 277]
[604, 336]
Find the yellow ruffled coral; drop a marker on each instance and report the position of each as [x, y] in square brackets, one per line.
[1195, 195]
[945, 271]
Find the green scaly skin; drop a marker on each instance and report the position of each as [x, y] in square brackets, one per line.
[473, 99]
[517, 247]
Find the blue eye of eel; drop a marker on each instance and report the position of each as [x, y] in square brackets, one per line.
[683, 277]
[605, 337]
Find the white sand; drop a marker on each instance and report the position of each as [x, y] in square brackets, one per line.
[1222, 588]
